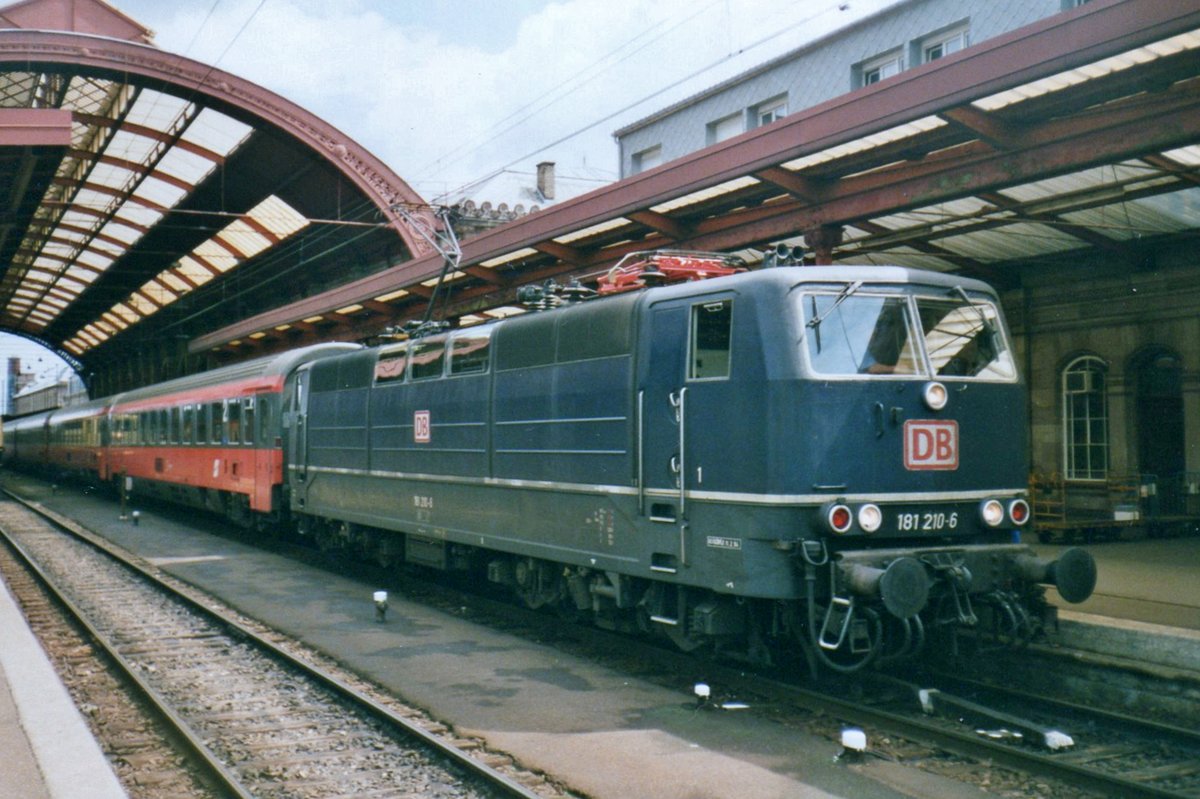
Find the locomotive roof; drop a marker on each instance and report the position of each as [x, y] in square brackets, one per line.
[278, 364]
[785, 277]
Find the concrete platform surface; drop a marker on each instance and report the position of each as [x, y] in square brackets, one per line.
[46, 748]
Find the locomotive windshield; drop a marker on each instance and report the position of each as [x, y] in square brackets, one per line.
[853, 332]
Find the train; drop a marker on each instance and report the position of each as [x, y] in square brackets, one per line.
[820, 463]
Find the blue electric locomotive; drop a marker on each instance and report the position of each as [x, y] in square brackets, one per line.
[828, 457]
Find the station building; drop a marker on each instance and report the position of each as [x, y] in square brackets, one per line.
[1098, 280]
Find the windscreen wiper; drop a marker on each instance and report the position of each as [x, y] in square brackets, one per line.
[845, 294]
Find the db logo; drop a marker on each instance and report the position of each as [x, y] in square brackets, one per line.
[930, 444]
[421, 429]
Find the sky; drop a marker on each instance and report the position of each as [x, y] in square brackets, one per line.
[447, 92]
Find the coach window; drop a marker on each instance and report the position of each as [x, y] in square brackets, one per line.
[233, 421]
[469, 352]
[217, 410]
[427, 358]
[391, 364]
[711, 334]
[164, 426]
[189, 425]
[248, 420]
[1085, 419]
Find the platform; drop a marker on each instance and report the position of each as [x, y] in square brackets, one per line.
[48, 750]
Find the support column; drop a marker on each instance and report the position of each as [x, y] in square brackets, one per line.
[822, 240]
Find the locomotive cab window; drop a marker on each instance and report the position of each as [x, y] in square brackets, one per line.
[948, 335]
[711, 335]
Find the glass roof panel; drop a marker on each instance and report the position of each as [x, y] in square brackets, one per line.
[216, 256]
[131, 146]
[141, 305]
[243, 238]
[159, 293]
[217, 132]
[278, 217]
[116, 177]
[179, 286]
[120, 232]
[159, 192]
[157, 110]
[82, 275]
[138, 215]
[187, 166]
[194, 271]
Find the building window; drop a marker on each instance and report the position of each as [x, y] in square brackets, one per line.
[943, 44]
[770, 111]
[647, 159]
[884, 66]
[725, 128]
[1085, 419]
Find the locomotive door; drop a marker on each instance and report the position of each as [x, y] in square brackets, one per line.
[662, 397]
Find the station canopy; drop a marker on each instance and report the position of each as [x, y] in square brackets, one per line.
[148, 198]
[182, 206]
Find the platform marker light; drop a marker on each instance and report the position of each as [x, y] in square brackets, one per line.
[703, 693]
[854, 744]
[381, 605]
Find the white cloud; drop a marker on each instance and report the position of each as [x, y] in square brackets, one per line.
[442, 99]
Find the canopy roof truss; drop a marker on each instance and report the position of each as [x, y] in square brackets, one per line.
[146, 197]
[1079, 132]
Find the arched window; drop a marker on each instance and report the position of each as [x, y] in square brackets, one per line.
[1085, 419]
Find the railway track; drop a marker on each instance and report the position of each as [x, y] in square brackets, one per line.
[257, 720]
[1110, 755]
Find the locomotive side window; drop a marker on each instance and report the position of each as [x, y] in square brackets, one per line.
[711, 334]
[850, 334]
[469, 352]
[963, 339]
[427, 358]
[391, 364]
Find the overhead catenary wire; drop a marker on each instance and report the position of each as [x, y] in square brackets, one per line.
[839, 6]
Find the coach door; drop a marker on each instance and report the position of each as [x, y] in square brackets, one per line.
[297, 460]
[662, 398]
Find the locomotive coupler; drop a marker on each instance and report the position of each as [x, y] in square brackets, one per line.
[957, 577]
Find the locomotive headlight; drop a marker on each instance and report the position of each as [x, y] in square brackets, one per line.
[870, 518]
[838, 518]
[1018, 511]
[935, 396]
[992, 513]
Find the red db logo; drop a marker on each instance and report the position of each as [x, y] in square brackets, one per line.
[421, 427]
[930, 445]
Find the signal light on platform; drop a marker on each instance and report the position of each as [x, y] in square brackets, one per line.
[1018, 511]
[992, 513]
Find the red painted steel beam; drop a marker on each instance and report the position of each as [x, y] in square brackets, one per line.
[1061, 42]
[35, 127]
